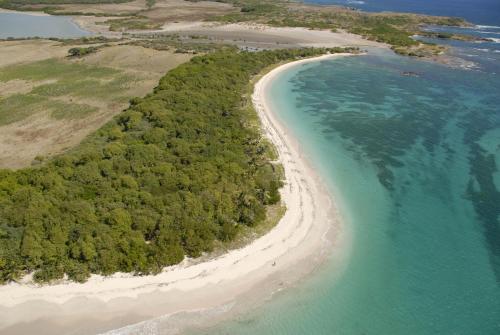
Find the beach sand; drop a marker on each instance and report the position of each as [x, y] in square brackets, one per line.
[193, 293]
[250, 35]
[266, 37]
[33, 13]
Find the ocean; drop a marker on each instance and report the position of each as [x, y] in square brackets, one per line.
[414, 164]
[485, 12]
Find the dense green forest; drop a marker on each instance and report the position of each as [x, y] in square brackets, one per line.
[182, 168]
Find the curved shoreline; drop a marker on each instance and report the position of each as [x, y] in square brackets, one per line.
[32, 13]
[236, 280]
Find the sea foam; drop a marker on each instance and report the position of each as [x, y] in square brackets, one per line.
[487, 27]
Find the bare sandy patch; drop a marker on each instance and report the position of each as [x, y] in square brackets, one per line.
[109, 8]
[136, 58]
[95, 25]
[162, 10]
[262, 36]
[22, 141]
[43, 135]
[180, 10]
[15, 52]
[19, 86]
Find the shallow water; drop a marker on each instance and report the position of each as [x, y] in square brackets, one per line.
[483, 55]
[414, 164]
[20, 25]
[414, 161]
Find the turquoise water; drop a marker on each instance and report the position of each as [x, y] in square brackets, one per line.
[20, 25]
[414, 164]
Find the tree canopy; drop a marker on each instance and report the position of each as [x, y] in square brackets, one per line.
[180, 169]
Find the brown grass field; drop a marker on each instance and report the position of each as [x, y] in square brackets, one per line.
[49, 103]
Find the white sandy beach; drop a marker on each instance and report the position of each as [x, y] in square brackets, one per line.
[309, 231]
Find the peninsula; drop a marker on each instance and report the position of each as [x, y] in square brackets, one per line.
[143, 172]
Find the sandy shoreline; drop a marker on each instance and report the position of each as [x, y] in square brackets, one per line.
[87, 24]
[213, 290]
[267, 37]
[94, 26]
[3, 10]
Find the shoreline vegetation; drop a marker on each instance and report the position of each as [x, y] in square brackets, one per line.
[182, 168]
[301, 240]
[51, 101]
[131, 211]
[393, 29]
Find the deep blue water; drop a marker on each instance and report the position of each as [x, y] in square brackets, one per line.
[484, 12]
[21, 25]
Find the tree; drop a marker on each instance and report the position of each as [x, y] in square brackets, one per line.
[177, 171]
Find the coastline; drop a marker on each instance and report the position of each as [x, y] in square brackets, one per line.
[216, 289]
[91, 25]
[78, 22]
[32, 13]
[85, 24]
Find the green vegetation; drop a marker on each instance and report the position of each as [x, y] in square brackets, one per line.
[82, 51]
[20, 106]
[59, 2]
[54, 69]
[381, 31]
[25, 4]
[53, 7]
[453, 36]
[62, 110]
[86, 40]
[132, 23]
[23, 105]
[180, 170]
[179, 44]
[52, 80]
[393, 29]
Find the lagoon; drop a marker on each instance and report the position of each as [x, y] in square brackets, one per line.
[22, 25]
